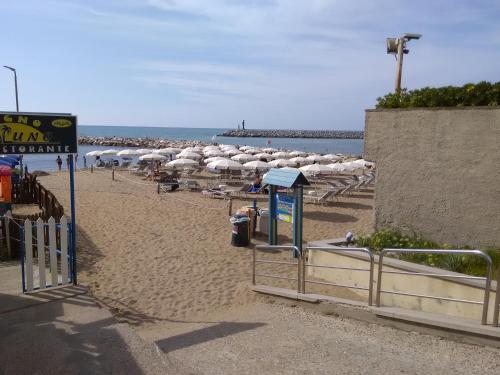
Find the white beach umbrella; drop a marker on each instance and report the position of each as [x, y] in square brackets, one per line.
[94, 153]
[257, 164]
[189, 155]
[210, 148]
[315, 169]
[176, 149]
[190, 149]
[212, 153]
[252, 151]
[281, 155]
[165, 151]
[182, 163]
[336, 167]
[225, 165]
[127, 153]
[332, 157]
[243, 158]
[232, 152]
[315, 158]
[109, 152]
[144, 151]
[215, 158]
[152, 157]
[298, 153]
[244, 148]
[299, 160]
[291, 169]
[265, 155]
[269, 149]
[281, 163]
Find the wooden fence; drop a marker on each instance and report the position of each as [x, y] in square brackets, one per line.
[26, 191]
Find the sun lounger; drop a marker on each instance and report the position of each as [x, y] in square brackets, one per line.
[213, 193]
[140, 169]
[320, 199]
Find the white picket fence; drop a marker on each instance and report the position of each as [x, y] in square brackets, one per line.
[35, 271]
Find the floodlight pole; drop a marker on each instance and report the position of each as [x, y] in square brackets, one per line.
[15, 83]
[399, 62]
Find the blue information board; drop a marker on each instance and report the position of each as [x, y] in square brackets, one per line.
[284, 207]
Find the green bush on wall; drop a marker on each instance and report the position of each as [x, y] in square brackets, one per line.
[388, 238]
[479, 94]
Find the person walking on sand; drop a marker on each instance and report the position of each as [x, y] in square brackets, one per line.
[59, 162]
[67, 160]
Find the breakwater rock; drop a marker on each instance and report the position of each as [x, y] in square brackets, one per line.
[137, 142]
[334, 134]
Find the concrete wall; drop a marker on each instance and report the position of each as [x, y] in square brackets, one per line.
[471, 290]
[438, 172]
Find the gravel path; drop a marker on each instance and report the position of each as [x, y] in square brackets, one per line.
[278, 339]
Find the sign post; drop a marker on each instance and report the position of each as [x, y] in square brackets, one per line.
[43, 133]
[286, 207]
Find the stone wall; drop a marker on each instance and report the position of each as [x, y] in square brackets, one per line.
[438, 172]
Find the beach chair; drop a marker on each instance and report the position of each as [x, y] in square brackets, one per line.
[192, 185]
[320, 199]
[140, 169]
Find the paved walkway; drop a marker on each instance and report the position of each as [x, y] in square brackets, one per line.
[63, 331]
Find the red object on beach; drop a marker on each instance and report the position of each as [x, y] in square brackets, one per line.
[5, 171]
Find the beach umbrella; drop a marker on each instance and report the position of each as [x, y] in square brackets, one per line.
[281, 155]
[244, 148]
[332, 157]
[264, 155]
[299, 160]
[176, 149]
[243, 158]
[109, 152]
[225, 165]
[210, 148]
[165, 151]
[336, 167]
[315, 169]
[298, 153]
[144, 151]
[127, 153]
[212, 153]
[189, 155]
[281, 163]
[149, 157]
[252, 151]
[94, 153]
[182, 163]
[215, 158]
[232, 152]
[257, 164]
[315, 158]
[269, 149]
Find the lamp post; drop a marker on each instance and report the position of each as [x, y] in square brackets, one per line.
[397, 47]
[15, 82]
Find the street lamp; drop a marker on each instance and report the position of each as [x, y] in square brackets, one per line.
[397, 46]
[15, 82]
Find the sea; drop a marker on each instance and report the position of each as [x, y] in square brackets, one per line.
[48, 162]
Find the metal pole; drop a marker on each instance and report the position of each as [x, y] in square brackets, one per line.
[254, 261]
[496, 309]
[487, 290]
[399, 66]
[273, 227]
[73, 215]
[379, 278]
[17, 96]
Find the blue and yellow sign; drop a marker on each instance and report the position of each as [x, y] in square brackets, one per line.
[35, 133]
[284, 207]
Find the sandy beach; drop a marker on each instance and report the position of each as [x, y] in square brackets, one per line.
[153, 258]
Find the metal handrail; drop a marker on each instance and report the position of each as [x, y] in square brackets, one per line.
[337, 249]
[487, 279]
[496, 311]
[276, 247]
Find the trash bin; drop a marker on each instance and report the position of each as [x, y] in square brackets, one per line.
[264, 221]
[239, 234]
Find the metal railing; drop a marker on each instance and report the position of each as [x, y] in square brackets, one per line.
[487, 279]
[335, 249]
[297, 264]
[496, 311]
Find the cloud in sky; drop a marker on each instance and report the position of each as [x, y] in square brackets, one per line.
[212, 63]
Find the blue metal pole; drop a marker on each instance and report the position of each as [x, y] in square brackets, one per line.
[73, 216]
[273, 227]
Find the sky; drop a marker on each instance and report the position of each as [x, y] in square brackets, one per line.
[293, 64]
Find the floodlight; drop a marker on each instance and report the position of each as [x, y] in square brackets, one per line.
[392, 45]
[410, 36]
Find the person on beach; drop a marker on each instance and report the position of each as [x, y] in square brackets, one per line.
[76, 160]
[84, 162]
[67, 160]
[59, 162]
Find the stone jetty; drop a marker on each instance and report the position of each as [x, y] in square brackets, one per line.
[333, 134]
[137, 142]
